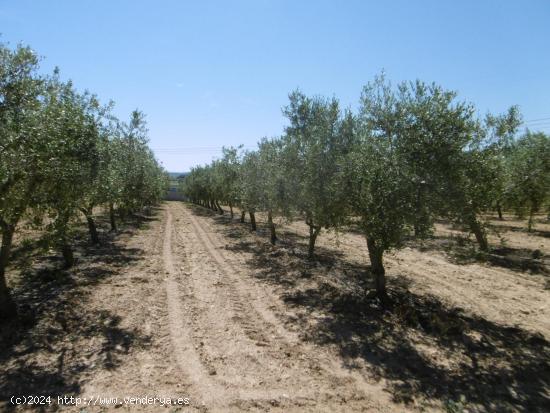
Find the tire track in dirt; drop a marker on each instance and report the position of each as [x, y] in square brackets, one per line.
[209, 345]
[183, 346]
[263, 299]
[286, 365]
[136, 299]
[207, 310]
[239, 295]
[218, 309]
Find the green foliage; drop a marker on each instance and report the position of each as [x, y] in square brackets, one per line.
[227, 170]
[528, 185]
[400, 170]
[413, 153]
[63, 153]
[21, 140]
[315, 143]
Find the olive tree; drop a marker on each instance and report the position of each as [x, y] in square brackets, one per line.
[62, 154]
[529, 175]
[228, 168]
[501, 137]
[250, 184]
[274, 194]
[20, 141]
[476, 173]
[313, 144]
[400, 172]
[96, 185]
[73, 161]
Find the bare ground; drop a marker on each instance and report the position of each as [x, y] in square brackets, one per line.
[192, 304]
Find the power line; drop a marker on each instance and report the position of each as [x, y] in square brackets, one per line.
[542, 125]
[197, 150]
[197, 147]
[536, 120]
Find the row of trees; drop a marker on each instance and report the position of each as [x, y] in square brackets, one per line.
[62, 154]
[411, 154]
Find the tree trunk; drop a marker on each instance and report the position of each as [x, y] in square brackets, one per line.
[531, 221]
[91, 225]
[376, 255]
[231, 209]
[67, 253]
[419, 212]
[8, 310]
[112, 216]
[499, 211]
[313, 233]
[479, 233]
[243, 215]
[219, 207]
[273, 238]
[122, 213]
[252, 220]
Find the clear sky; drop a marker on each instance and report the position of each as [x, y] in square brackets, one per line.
[214, 73]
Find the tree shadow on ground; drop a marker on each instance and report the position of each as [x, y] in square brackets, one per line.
[58, 339]
[463, 250]
[296, 243]
[142, 220]
[425, 350]
[428, 349]
[522, 229]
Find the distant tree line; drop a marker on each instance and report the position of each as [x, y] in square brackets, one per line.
[62, 154]
[412, 153]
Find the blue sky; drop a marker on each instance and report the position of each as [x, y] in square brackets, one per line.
[213, 73]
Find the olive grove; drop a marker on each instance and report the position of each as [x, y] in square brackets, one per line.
[412, 153]
[63, 154]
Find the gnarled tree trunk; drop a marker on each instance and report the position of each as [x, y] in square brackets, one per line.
[243, 215]
[531, 221]
[67, 252]
[479, 232]
[313, 233]
[273, 235]
[219, 208]
[112, 216]
[378, 271]
[92, 229]
[231, 209]
[88, 213]
[8, 310]
[252, 220]
[499, 211]
[122, 213]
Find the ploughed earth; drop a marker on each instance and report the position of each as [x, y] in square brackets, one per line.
[186, 303]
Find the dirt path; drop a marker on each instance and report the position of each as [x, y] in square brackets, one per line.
[195, 306]
[245, 358]
[214, 333]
